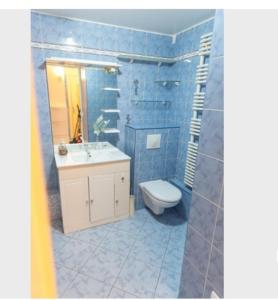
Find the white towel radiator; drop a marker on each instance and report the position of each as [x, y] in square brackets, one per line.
[197, 107]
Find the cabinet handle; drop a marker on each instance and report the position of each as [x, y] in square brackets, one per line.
[117, 201]
[87, 202]
[92, 200]
[123, 179]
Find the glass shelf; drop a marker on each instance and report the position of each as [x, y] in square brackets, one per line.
[111, 130]
[111, 89]
[168, 83]
[110, 110]
[146, 58]
[165, 102]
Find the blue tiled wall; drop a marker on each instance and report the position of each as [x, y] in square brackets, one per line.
[203, 259]
[189, 40]
[151, 164]
[60, 31]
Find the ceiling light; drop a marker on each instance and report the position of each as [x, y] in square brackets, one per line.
[70, 41]
[58, 71]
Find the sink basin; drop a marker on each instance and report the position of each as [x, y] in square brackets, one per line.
[102, 152]
[101, 146]
[80, 156]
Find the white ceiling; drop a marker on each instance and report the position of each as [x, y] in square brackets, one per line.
[156, 20]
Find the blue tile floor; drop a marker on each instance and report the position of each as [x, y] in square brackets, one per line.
[140, 257]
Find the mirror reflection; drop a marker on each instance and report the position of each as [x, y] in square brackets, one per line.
[83, 103]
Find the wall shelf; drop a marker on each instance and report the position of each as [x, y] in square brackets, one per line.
[150, 101]
[111, 89]
[111, 130]
[168, 83]
[111, 110]
[82, 62]
[146, 58]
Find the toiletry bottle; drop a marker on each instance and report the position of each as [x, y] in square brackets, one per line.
[62, 149]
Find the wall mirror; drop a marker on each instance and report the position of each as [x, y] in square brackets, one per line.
[78, 97]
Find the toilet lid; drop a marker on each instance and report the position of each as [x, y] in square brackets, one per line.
[162, 190]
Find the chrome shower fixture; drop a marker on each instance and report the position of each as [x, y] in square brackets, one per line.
[136, 83]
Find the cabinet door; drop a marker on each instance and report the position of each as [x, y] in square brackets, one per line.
[75, 203]
[101, 197]
[122, 193]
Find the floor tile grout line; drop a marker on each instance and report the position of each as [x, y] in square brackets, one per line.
[98, 247]
[135, 240]
[144, 261]
[122, 267]
[85, 275]
[78, 269]
[125, 292]
[180, 272]
[162, 262]
[144, 220]
[108, 294]
[68, 286]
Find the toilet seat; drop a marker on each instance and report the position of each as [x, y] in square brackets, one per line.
[162, 190]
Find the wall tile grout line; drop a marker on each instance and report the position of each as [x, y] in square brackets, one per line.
[212, 240]
[206, 240]
[218, 159]
[214, 109]
[98, 51]
[217, 57]
[215, 289]
[205, 198]
[208, 264]
[195, 267]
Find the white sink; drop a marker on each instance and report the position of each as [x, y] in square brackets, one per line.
[79, 156]
[91, 153]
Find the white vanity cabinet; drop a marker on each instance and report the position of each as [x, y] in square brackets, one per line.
[121, 188]
[94, 194]
[75, 203]
[102, 198]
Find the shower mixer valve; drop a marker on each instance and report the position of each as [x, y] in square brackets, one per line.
[136, 83]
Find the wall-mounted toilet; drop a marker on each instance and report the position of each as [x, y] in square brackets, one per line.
[159, 194]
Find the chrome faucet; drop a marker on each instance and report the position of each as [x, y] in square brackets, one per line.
[128, 119]
[86, 147]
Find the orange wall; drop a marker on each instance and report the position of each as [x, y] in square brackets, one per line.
[58, 103]
[74, 95]
[64, 91]
[42, 266]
